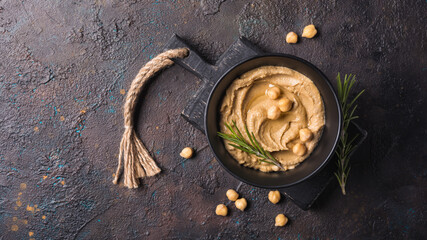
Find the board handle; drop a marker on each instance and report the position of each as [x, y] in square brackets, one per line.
[193, 62]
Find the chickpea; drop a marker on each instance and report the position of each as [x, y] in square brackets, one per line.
[241, 204]
[274, 196]
[305, 134]
[309, 31]
[186, 152]
[232, 195]
[299, 149]
[273, 113]
[273, 93]
[291, 37]
[281, 220]
[221, 210]
[285, 104]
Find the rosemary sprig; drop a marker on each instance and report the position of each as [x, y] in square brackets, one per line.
[252, 147]
[345, 145]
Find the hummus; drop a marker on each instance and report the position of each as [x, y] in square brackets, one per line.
[247, 103]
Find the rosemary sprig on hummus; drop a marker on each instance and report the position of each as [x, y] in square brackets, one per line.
[345, 145]
[253, 147]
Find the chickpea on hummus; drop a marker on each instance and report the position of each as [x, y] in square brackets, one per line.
[284, 110]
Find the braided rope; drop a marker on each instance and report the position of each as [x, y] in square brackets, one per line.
[137, 162]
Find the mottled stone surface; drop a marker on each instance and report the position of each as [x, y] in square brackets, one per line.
[65, 67]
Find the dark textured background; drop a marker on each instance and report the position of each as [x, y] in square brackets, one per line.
[64, 69]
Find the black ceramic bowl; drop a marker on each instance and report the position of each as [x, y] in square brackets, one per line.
[318, 158]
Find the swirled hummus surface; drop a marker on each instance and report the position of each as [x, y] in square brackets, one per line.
[247, 103]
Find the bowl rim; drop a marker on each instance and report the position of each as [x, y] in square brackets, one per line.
[332, 151]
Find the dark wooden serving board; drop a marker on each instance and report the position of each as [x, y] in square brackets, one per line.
[303, 194]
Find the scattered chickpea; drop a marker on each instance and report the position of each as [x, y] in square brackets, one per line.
[274, 196]
[273, 92]
[273, 113]
[291, 37]
[221, 210]
[305, 134]
[241, 204]
[232, 195]
[186, 152]
[281, 220]
[309, 31]
[285, 104]
[299, 149]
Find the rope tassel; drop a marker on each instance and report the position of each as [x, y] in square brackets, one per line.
[137, 162]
